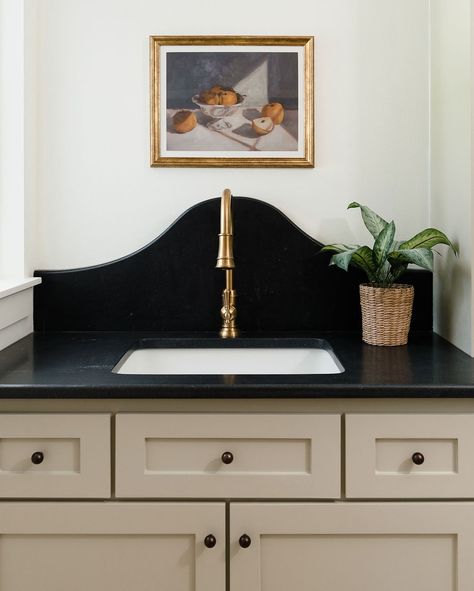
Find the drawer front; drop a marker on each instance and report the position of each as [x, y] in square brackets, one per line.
[268, 455]
[55, 455]
[410, 456]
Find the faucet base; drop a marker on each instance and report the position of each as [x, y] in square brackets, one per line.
[229, 333]
[229, 313]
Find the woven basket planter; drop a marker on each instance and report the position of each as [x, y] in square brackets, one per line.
[386, 313]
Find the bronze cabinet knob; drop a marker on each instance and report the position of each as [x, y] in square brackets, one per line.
[227, 457]
[37, 457]
[244, 541]
[418, 458]
[210, 541]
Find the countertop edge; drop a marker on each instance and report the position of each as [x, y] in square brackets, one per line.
[78, 366]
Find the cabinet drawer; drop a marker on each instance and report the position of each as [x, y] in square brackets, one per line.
[409, 455]
[54, 455]
[268, 455]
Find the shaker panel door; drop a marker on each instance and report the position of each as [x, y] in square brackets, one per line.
[356, 547]
[111, 547]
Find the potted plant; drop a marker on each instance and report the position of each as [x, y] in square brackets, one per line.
[386, 305]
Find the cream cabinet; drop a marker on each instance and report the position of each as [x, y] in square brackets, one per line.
[55, 455]
[409, 455]
[265, 455]
[112, 546]
[353, 546]
[322, 497]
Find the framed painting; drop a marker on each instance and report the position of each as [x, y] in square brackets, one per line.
[232, 101]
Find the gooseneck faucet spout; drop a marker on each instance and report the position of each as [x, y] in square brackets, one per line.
[225, 261]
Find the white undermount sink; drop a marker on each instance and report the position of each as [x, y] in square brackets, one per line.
[209, 359]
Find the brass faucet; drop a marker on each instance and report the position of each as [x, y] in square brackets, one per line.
[225, 260]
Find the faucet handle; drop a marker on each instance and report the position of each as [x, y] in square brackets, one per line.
[225, 256]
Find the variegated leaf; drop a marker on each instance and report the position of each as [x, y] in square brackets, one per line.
[363, 259]
[423, 257]
[338, 247]
[427, 239]
[342, 259]
[373, 222]
[383, 243]
[397, 270]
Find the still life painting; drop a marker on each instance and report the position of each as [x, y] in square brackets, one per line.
[232, 101]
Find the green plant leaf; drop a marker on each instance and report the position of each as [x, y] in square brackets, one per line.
[373, 222]
[397, 270]
[427, 239]
[342, 259]
[338, 247]
[383, 244]
[384, 275]
[396, 245]
[359, 256]
[423, 257]
[363, 259]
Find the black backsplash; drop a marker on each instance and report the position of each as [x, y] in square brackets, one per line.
[282, 280]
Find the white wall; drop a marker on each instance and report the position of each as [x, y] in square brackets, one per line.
[98, 199]
[451, 183]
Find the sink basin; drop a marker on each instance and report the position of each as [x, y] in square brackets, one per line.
[236, 357]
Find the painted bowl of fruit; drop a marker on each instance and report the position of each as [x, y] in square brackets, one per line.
[219, 101]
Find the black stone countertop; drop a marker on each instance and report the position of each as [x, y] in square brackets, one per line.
[78, 365]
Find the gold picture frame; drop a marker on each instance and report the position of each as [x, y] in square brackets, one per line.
[165, 154]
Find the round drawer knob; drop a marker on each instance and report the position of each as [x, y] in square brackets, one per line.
[418, 458]
[227, 457]
[37, 457]
[244, 541]
[210, 541]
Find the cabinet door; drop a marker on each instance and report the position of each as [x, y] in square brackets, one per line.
[356, 547]
[111, 547]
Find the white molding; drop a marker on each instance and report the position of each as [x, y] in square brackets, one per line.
[12, 138]
[16, 310]
[10, 286]
[18, 123]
